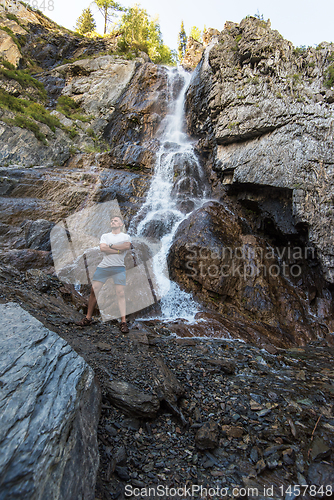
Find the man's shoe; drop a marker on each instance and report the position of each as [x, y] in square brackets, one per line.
[124, 327]
[84, 322]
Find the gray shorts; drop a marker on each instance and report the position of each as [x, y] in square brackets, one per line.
[117, 273]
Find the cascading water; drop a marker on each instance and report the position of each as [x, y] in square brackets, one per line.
[177, 188]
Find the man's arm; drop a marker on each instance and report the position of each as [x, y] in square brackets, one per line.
[121, 247]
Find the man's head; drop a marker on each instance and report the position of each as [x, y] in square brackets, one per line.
[116, 223]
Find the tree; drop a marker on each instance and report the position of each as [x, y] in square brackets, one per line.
[108, 9]
[141, 33]
[85, 22]
[182, 39]
[195, 33]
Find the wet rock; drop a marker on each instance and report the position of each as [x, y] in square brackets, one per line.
[168, 387]
[122, 472]
[27, 259]
[37, 234]
[230, 272]
[131, 400]
[120, 456]
[207, 437]
[39, 371]
[141, 108]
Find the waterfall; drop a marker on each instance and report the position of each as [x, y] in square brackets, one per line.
[178, 187]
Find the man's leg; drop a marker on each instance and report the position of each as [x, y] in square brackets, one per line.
[96, 287]
[120, 291]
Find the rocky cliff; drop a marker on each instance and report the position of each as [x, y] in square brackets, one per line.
[262, 113]
[268, 111]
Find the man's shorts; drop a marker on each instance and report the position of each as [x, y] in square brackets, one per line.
[117, 273]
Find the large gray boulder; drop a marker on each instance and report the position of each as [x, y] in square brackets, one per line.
[49, 413]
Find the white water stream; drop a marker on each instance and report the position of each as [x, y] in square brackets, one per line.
[178, 186]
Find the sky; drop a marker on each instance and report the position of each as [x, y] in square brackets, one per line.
[302, 22]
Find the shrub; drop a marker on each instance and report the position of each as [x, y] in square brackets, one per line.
[24, 122]
[23, 78]
[71, 109]
[28, 108]
[330, 77]
[12, 17]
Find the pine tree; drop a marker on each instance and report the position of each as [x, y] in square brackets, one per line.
[108, 9]
[85, 22]
[182, 42]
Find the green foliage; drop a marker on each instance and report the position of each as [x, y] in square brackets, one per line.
[182, 42]
[19, 43]
[85, 22]
[23, 122]
[28, 108]
[7, 64]
[108, 9]
[238, 38]
[298, 51]
[329, 82]
[141, 33]
[71, 109]
[22, 77]
[91, 133]
[196, 34]
[12, 17]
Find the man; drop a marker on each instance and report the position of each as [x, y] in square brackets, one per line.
[114, 245]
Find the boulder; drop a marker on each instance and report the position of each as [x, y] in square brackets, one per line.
[239, 275]
[207, 437]
[131, 400]
[50, 410]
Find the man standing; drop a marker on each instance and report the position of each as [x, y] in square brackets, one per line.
[114, 245]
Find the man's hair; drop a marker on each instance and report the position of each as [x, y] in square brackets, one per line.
[119, 216]
[123, 230]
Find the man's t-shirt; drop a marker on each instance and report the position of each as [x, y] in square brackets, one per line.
[115, 259]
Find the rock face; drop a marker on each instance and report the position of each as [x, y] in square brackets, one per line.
[238, 274]
[137, 117]
[50, 410]
[52, 194]
[193, 54]
[267, 113]
[95, 84]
